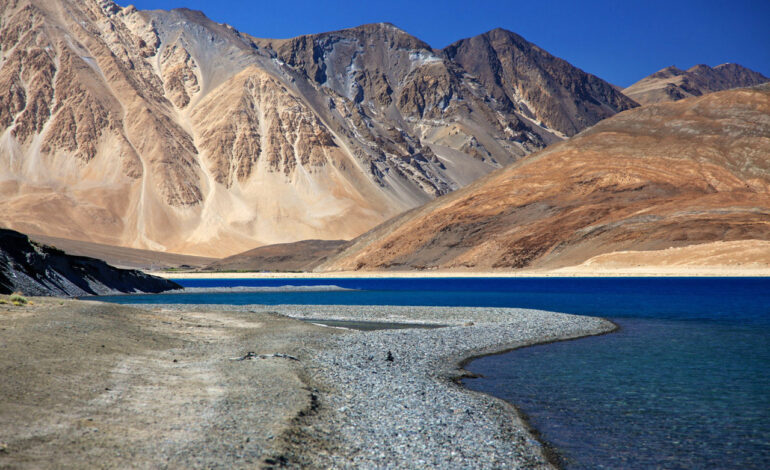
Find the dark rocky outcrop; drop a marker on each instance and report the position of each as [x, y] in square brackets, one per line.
[37, 269]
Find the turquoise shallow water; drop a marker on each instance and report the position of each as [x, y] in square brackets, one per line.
[683, 384]
[656, 394]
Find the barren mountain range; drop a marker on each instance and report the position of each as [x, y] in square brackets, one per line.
[164, 130]
[671, 83]
[690, 177]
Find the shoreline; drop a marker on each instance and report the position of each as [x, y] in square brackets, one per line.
[551, 452]
[348, 403]
[559, 273]
[387, 394]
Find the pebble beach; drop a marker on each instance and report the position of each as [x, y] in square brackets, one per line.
[391, 398]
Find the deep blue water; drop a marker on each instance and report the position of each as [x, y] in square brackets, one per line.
[684, 383]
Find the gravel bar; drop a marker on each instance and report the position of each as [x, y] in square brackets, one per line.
[390, 398]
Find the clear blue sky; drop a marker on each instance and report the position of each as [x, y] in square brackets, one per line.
[620, 41]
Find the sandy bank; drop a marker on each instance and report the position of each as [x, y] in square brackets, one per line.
[164, 390]
[573, 271]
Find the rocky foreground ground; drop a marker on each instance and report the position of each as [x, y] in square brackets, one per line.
[89, 384]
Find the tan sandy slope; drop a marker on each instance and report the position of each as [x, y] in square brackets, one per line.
[743, 254]
[282, 257]
[679, 174]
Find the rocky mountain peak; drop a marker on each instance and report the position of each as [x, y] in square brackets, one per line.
[109, 7]
[395, 36]
[738, 74]
[529, 79]
[670, 71]
[500, 35]
[699, 68]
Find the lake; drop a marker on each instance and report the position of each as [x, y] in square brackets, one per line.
[684, 383]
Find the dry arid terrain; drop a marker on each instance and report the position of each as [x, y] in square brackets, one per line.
[672, 175]
[298, 256]
[164, 130]
[93, 385]
[162, 139]
[122, 257]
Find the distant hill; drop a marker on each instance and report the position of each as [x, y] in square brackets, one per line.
[298, 256]
[36, 269]
[672, 84]
[689, 174]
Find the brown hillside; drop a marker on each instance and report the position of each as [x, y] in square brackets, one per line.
[667, 175]
[297, 256]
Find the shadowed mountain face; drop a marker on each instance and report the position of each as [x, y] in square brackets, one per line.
[672, 84]
[682, 174]
[549, 90]
[36, 269]
[166, 131]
